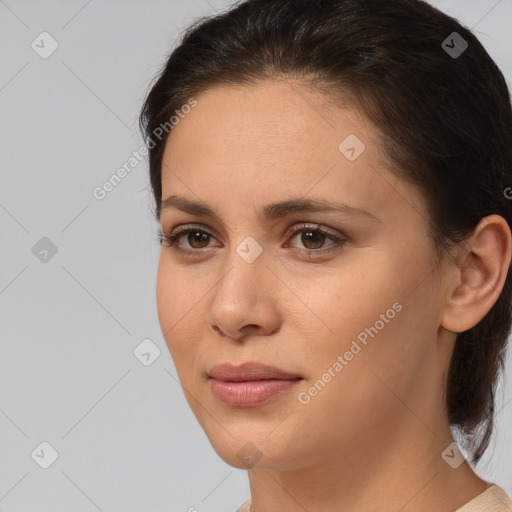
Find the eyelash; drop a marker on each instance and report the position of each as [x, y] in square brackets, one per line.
[170, 239]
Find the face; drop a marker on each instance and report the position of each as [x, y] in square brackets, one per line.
[344, 299]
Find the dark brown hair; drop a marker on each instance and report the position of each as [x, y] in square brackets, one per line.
[445, 121]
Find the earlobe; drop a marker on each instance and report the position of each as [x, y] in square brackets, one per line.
[479, 279]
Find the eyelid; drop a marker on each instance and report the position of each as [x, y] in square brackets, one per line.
[296, 228]
[191, 227]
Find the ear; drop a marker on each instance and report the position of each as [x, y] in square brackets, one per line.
[479, 274]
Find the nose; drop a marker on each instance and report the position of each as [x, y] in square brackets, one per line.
[245, 300]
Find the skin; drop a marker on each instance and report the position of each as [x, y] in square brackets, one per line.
[372, 439]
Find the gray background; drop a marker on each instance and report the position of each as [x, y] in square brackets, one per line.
[125, 437]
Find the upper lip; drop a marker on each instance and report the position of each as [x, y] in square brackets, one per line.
[249, 371]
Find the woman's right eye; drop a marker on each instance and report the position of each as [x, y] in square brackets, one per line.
[195, 238]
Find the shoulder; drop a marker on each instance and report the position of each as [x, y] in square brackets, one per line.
[494, 499]
[245, 506]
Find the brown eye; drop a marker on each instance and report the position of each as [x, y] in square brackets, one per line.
[313, 239]
[187, 240]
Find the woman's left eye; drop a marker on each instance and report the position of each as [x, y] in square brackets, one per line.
[310, 236]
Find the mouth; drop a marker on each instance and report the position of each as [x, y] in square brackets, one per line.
[250, 371]
[250, 384]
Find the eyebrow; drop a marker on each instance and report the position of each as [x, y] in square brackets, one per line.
[270, 211]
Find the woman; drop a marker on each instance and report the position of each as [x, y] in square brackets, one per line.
[330, 178]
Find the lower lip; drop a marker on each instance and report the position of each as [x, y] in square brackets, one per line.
[250, 393]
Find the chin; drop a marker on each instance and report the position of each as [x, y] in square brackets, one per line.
[252, 452]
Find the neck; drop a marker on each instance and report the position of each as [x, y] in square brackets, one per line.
[405, 473]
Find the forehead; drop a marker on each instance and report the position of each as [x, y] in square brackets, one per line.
[262, 141]
[263, 118]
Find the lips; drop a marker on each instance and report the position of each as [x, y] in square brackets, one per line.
[250, 384]
[249, 371]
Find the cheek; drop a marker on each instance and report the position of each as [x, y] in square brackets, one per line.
[178, 293]
[348, 301]
[367, 314]
[166, 300]
[178, 305]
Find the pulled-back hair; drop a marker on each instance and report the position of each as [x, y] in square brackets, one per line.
[444, 118]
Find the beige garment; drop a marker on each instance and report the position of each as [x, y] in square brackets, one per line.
[494, 499]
